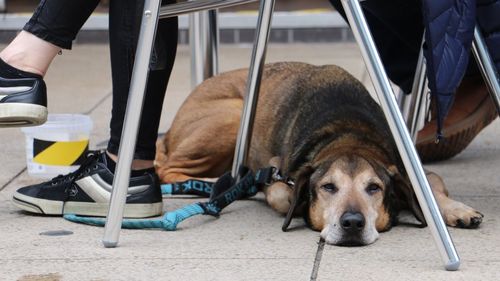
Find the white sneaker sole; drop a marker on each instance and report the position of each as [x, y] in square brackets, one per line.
[22, 114]
[51, 207]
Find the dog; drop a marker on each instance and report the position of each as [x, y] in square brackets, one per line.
[319, 126]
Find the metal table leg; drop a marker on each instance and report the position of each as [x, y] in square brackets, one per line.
[407, 102]
[401, 136]
[487, 67]
[253, 84]
[131, 124]
[204, 42]
[414, 105]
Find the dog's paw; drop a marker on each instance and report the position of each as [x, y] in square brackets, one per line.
[460, 215]
[278, 196]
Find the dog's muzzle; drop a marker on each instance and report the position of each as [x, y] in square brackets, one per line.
[352, 224]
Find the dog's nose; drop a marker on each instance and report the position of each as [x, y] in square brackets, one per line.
[352, 222]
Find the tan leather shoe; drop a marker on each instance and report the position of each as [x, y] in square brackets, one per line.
[472, 110]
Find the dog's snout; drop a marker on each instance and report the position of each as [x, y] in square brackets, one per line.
[352, 222]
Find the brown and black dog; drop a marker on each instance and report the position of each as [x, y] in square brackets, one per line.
[320, 126]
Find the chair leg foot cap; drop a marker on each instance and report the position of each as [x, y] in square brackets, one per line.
[452, 265]
[108, 244]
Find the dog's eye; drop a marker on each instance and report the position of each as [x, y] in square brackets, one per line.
[330, 187]
[373, 188]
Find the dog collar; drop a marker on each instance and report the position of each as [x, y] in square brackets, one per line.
[269, 175]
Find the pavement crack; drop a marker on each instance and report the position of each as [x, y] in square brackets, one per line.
[97, 104]
[12, 179]
[317, 259]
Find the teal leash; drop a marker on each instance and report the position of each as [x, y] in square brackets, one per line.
[169, 221]
[189, 187]
[222, 193]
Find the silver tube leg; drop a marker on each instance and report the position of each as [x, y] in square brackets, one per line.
[203, 39]
[422, 104]
[407, 105]
[413, 106]
[213, 33]
[402, 100]
[418, 106]
[197, 42]
[485, 63]
[131, 124]
[401, 136]
[253, 84]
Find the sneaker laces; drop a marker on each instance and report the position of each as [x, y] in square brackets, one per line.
[84, 169]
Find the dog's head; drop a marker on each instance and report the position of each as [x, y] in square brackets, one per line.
[351, 198]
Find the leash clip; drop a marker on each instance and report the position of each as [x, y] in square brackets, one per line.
[278, 177]
[270, 175]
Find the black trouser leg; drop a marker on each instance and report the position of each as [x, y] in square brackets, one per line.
[124, 25]
[58, 21]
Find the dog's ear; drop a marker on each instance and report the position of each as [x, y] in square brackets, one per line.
[404, 196]
[300, 193]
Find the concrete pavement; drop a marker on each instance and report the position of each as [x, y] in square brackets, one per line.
[246, 242]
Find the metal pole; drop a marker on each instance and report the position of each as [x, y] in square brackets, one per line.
[198, 43]
[488, 70]
[401, 136]
[407, 103]
[413, 106]
[402, 99]
[253, 84]
[213, 33]
[131, 124]
[418, 106]
[182, 8]
[203, 39]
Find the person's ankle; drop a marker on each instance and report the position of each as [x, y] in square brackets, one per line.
[29, 53]
[137, 164]
[17, 61]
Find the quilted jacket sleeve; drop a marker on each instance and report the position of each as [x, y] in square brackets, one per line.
[449, 31]
[488, 17]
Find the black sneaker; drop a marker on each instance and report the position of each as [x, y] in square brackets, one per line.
[87, 192]
[23, 102]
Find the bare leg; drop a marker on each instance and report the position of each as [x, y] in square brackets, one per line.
[30, 53]
[137, 164]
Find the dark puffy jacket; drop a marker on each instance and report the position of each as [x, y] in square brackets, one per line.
[449, 31]
[488, 17]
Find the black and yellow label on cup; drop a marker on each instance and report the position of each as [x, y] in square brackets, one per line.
[59, 153]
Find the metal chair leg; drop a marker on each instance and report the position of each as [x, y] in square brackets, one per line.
[485, 63]
[407, 102]
[253, 84]
[131, 124]
[421, 102]
[401, 136]
[414, 105]
[213, 31]
[203, 39]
